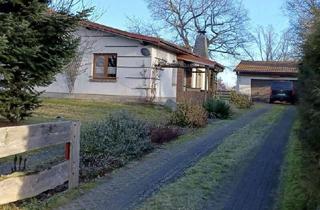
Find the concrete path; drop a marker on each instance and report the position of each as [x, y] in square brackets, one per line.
[131, 185]
[256, 187]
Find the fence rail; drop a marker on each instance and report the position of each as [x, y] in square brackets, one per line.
[224, 94]
[19, 139]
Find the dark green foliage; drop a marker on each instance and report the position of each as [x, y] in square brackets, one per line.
[240, 100]
[309, 109]
[111, 142]
[189, 115]
[35, 44]
[310, 89]
[217, 108]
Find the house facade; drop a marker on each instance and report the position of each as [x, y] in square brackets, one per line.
[254, 78]
[122, 66]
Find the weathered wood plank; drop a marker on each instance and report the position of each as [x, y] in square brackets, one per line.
[18, 188]
[20, 139]
[74, 155]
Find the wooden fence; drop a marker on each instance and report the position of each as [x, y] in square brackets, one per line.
[224, 94]
[19, 139]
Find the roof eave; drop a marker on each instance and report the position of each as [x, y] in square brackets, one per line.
[265, 73]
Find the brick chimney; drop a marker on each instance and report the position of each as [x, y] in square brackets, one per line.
[201, 45]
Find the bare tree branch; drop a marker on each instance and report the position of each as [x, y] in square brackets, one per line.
[138, 26]
[76, 67]
[225, 22]
[301, 14]
[268, 45]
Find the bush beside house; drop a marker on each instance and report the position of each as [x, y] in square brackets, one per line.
[240, 100]
[121, 137]
[162, 134]
[189, 115]
[217, 108]
[118, 138]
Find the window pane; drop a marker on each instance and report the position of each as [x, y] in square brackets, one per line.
[112, 66]
[99, 71]
[112, 71]
[112, 61]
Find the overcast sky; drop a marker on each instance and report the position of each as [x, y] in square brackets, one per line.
[261, 12]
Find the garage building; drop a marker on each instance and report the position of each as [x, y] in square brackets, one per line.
[254, 78]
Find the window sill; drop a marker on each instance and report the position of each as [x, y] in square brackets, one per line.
[104, 80]
[194, 89]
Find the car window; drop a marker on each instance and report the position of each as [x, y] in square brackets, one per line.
[281, 85]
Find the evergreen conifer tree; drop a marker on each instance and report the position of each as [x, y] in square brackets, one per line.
[35, 44]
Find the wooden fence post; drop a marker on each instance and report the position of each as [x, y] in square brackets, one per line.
[74, 155]
[19, 139]
[206, 83]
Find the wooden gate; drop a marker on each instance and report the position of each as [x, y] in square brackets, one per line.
[224, 95]
[19, 139]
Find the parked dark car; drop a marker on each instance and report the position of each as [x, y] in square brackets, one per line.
[282, 91]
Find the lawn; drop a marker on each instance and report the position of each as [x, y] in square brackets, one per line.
[202, 181]
[91, 110]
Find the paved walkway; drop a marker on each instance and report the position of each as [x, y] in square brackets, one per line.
[256, 186]
[129, 186]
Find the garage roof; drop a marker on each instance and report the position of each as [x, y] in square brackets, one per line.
[273, 67]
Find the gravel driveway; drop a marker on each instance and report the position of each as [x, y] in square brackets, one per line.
[257, 187]
[131, 185]
[254, 187]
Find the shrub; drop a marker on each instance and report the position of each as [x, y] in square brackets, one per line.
[240, 100]
[111, 142]
[160, 135]
[309, 88]
[217, 108]
[188, 114]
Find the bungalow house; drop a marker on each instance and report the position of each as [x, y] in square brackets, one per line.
[125, 66]
[254, 78]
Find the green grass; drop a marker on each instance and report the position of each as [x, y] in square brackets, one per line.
[202, 180]
[300, 179]
[91, 110]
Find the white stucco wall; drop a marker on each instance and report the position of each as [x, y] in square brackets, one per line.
[130, 63]
[244, 82]
[166, 87]
[244, 85]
